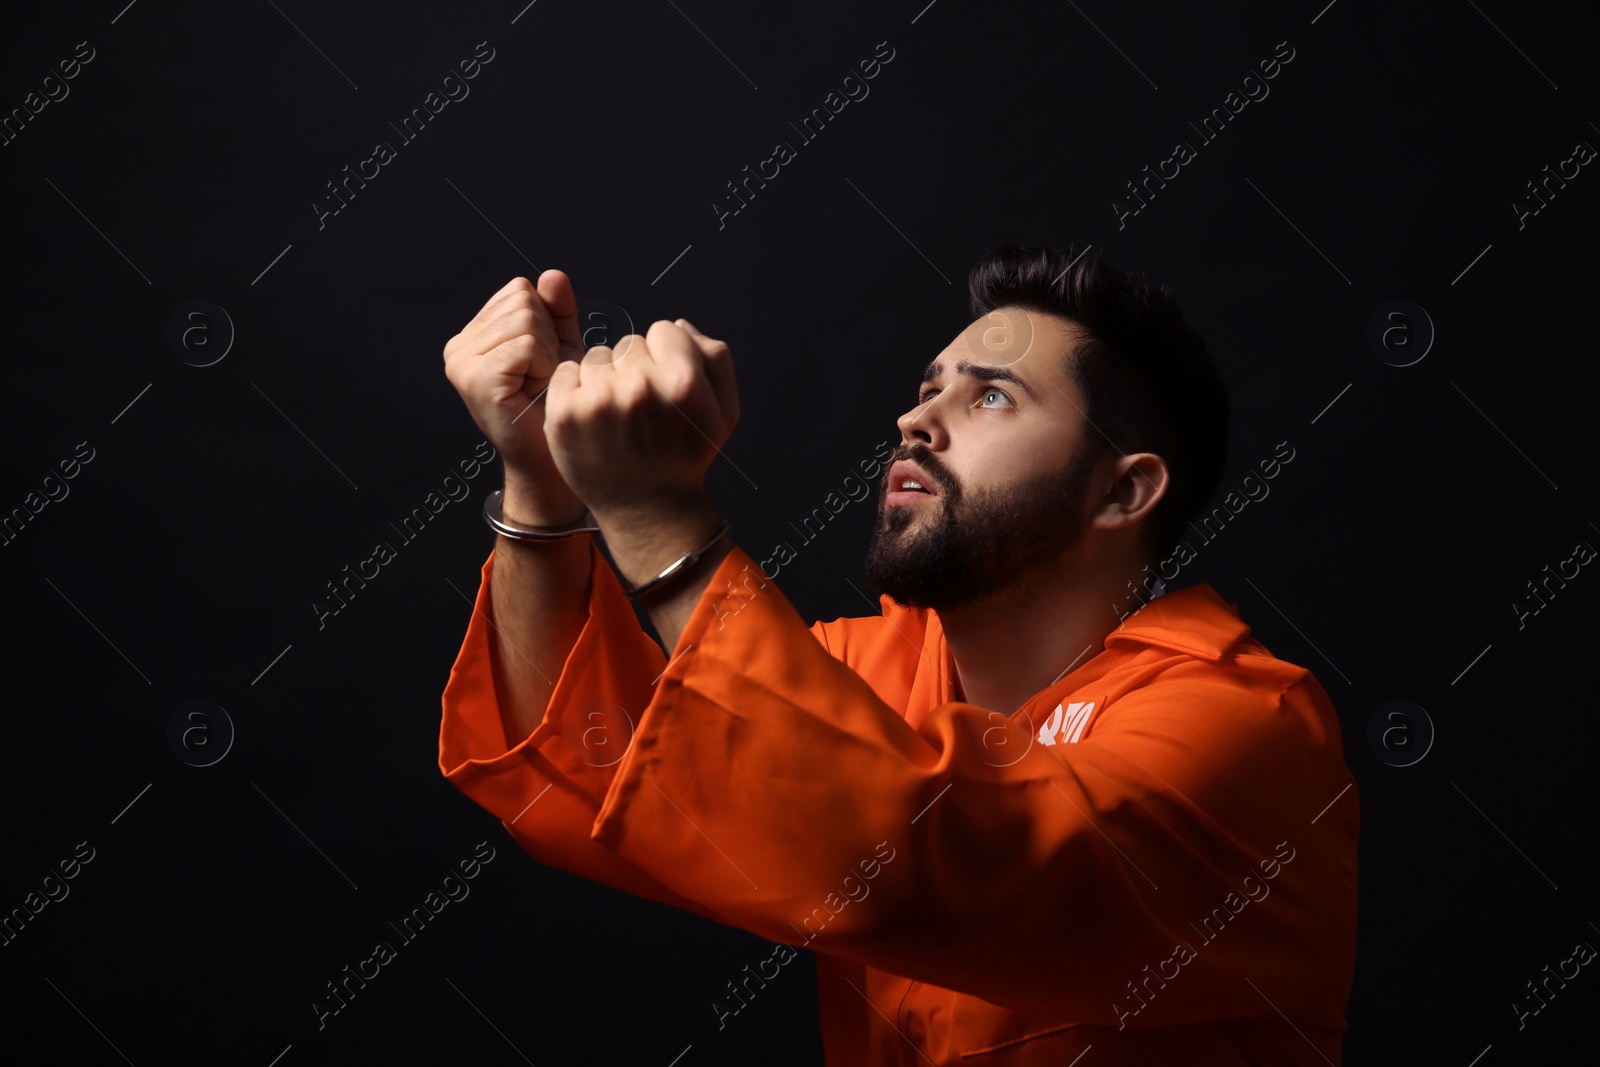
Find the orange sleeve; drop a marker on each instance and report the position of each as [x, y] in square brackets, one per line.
[768, 782]
[547, 788]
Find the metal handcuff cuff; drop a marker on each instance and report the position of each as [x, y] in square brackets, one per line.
[491, 515]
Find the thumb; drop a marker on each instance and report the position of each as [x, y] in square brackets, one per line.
[555, 289]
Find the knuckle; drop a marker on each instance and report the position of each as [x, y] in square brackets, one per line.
[633, 392]
[623, 348]
[678, 385]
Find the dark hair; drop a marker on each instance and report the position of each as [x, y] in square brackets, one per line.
[1148, 383]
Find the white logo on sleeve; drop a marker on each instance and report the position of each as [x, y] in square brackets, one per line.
[1066, 724]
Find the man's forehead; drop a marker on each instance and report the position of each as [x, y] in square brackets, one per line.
[1031, 344]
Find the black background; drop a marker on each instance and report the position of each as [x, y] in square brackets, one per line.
[221, 499]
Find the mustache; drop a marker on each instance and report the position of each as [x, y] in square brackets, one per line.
[923, 458]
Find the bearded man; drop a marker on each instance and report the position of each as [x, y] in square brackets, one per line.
[1040, 804]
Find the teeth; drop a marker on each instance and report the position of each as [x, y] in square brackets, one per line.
[909, 484]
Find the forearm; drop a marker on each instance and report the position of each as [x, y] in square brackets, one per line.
[539, 594]
[644, 542]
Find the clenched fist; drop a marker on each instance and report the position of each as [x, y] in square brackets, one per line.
[501, 363]
[633, 428]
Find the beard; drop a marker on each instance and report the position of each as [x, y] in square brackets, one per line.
[961, 548]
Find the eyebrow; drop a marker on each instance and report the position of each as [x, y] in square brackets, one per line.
[982, 372]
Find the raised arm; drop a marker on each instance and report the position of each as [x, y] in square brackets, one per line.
[554, 670]
[501, 363]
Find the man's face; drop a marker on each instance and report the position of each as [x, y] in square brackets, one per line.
[999, 437]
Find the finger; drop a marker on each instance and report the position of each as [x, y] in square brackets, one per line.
[511, 360]
[469, 332]
[529, 325]
[520, 308]
[555, 289]
[518, 292]
[519, 282]
[488, 327]
[630, 346]
[675, 355]
[717, 360]
[563, 383]
[602, 355]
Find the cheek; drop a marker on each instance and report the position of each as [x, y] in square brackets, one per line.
[998, 464]
[1011, 466]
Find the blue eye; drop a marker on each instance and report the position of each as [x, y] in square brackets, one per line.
[929, 394]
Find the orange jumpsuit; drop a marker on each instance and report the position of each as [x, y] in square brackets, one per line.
[1154, 858]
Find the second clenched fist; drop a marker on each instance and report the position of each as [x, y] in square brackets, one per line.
[634, 426]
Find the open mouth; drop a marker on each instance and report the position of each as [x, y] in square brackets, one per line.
[909, 493]
[908, 484]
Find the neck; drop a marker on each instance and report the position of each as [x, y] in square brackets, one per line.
[1009, 647]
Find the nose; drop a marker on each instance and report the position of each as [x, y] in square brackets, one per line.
[922, 425]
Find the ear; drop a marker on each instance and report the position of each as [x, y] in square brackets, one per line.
[1141, 481]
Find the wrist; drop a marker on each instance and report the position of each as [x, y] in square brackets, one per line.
[526, 503]
[646, 540]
